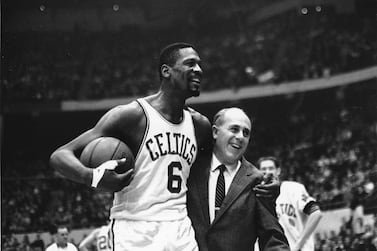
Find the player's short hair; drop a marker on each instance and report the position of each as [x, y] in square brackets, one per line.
[169, 54]
[271, 158]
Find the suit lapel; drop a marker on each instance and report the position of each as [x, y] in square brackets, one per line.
[244, 177]
[202, 187]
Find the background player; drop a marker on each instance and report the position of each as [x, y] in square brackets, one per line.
[100, 237]
[299, 214]
[150, 212]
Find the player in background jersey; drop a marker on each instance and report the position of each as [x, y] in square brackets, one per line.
[149, 209]
[100, 237]
[298, 213]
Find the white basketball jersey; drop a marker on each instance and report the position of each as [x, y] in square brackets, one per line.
[162, 166]
[103, 239]
[289, 207]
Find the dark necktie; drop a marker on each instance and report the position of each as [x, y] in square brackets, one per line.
[220, 189]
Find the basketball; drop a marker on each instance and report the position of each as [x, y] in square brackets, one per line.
[107, 148]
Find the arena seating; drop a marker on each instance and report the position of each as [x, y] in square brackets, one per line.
[331, 151]
[81, 65]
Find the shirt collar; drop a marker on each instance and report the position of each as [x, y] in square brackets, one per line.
[215, 163]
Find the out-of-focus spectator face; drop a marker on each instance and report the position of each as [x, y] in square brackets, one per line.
[268, 167]
[62, 236]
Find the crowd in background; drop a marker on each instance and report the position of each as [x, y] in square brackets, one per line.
[331, 152]
[353, 235]
[91, 65]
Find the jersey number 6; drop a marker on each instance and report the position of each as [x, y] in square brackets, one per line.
[174, 180]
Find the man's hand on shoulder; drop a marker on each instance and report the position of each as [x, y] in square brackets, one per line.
[269, 187]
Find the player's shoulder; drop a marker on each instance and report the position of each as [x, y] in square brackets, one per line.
[132, 108]
[104, 228]
[71, 246]
[292, 185]
[202, 128]
[130, 112]
[198, 118]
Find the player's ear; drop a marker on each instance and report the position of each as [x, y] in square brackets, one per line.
[165, 70]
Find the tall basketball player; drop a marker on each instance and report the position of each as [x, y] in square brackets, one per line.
[149, 208]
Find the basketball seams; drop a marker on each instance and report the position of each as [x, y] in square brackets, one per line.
[103, 149]
[116, 150]
[93, 151]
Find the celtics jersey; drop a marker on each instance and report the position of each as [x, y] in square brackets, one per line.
[290, 210]
[162, 166]
[103, 240]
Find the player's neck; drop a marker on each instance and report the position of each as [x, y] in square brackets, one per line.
[171, 107]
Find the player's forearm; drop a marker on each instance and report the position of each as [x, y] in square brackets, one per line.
[65, 162]
[83, 248]
[310, 226]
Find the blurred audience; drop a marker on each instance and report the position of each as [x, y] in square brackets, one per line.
[332, 152]
[81, 65]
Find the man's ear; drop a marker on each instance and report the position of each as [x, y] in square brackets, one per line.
[214, 131]
[165, 71]
[278, 171]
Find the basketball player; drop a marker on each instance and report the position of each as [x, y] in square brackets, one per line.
[149, 208]
[99, 236]
[299, 214]
[149, 212]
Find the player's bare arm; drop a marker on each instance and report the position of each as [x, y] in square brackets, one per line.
[121, 122]
[88, 240]
[314, 216]
[203, 131]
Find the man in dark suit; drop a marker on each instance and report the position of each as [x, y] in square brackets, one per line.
[222, 205]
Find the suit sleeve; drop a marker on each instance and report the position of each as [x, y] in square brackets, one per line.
[270, 233]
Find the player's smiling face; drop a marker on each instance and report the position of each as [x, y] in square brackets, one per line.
[186, 72]
[232, 135]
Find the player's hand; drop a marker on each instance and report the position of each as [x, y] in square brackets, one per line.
[112, 181]
[268, 188]
[295, 248]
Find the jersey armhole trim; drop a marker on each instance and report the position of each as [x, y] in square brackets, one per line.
[140, 102]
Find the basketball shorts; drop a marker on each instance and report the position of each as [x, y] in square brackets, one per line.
[128, 235]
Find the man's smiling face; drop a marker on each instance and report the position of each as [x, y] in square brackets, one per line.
[232, 134]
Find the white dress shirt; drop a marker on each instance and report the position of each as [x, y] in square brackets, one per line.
[55, 247]
[229, 174]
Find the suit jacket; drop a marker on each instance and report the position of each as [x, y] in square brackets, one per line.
[242, 217]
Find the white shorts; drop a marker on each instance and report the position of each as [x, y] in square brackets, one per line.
[153, 235]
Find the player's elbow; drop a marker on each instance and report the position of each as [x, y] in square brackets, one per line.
[317, 216]
[56, 160]
[318, 213]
